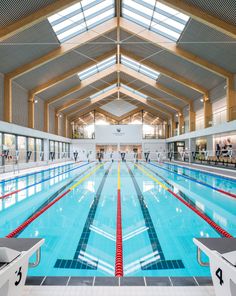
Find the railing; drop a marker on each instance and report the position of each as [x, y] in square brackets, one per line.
[13, 160]
[221, 158]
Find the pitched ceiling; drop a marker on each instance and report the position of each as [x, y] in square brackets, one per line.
[197, 38]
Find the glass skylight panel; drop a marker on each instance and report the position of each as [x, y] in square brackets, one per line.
[97, 68]
[156, 17]
[134, 91]
[81, 17]
[103, 91]
[139, 67]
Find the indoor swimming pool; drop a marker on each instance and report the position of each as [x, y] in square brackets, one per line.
[74, 207]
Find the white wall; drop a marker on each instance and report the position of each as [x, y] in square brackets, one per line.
[39, 114]
[20, 106]
[128, 134]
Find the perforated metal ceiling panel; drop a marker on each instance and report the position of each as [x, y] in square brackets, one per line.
[178, 87]
[222, 9]
[187, 69]
[27, 46]
[78, 57]
[139, 46]
[209, 44]
[58, 88]
[14, 10]
[94, 87]
[139, 85]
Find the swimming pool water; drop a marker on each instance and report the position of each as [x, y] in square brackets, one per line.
[80, 229]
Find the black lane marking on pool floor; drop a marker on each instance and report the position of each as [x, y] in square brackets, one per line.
[114, 281]
[161, 263]
[77, 263]
[52, 197]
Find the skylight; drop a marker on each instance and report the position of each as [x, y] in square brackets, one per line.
[97, 68]
[139, 67]
[133, 91]
[81, 17]
[103, 91]
[156, 17]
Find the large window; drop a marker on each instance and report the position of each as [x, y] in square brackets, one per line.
[81, 17]
[9, 143]
[130, 63]
[22, 148]
[156, 17]
[31, 150]
[39, 150]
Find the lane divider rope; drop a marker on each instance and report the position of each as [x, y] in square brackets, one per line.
[41, 181]
[119, 270]
[203, 216]
[196, 170]
[39, 213]
[38, 172]
[197, 181]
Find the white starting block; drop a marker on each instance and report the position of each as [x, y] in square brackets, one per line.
[222, 261]
[14, 262]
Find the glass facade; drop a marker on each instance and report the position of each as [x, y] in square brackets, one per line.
[29, 149]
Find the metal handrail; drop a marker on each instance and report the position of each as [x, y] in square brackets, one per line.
[199, 259]
[37, 261]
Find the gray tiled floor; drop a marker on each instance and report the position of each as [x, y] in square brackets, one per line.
[118, 291]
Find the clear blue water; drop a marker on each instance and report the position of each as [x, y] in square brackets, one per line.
[80, 234]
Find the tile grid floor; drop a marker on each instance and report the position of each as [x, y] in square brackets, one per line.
[115, 291]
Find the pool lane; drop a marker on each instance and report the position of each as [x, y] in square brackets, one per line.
[219, 207]
[5, 195]
[187, 201]
[229, 186]
[63, 227]
[14, 210]
[158, 261]
[52, 200]
[175, 226]
[39, 172]
[119, 268]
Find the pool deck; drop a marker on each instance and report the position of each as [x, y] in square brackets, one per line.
[210, 169]
[117, 291]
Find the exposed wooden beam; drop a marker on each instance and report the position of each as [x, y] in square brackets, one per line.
[151, 82]
[54, 54]
[31, 107]
[192, 118]
[65, 48]
[81, 98]
[172, 47]
[93, 102]
[156, 98]
[83, 84]
[66, 126]
[107, 114]
[46, 117]
[57, 122]
[119, 118]
[164, 71]
[56, 80]
[231, 99]
[202, 16]
[34, 18]
[144, 101]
